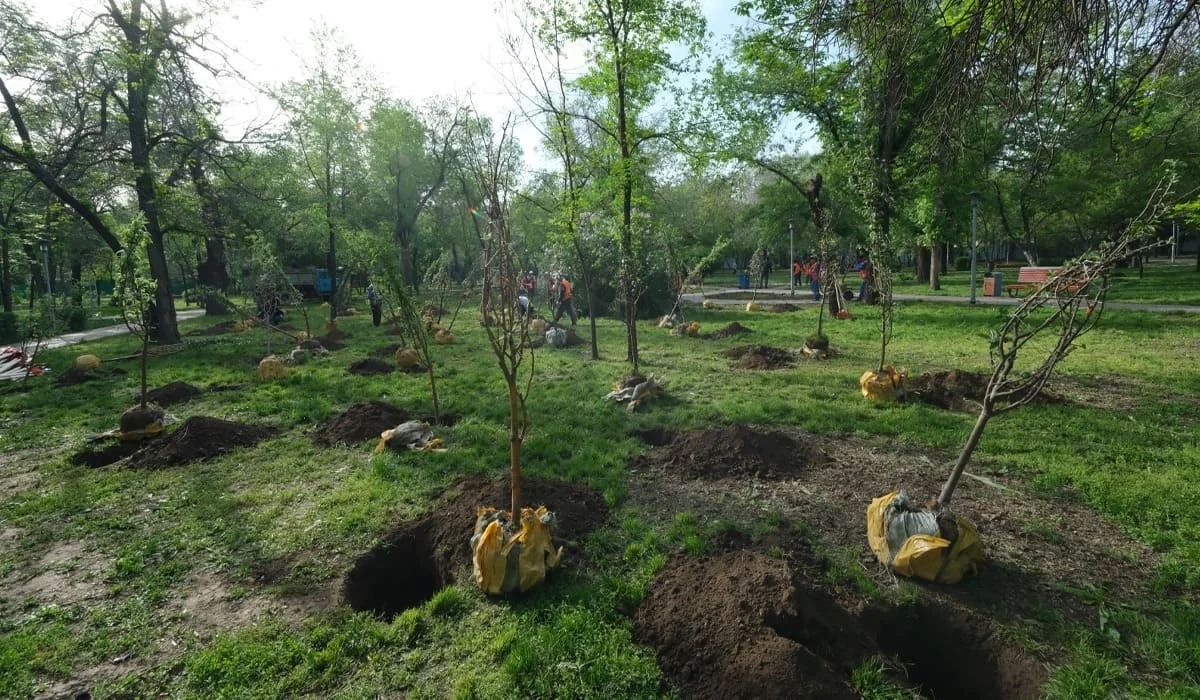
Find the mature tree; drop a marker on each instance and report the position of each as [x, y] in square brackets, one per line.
[326, 110]
[629, 45]
[410, 156]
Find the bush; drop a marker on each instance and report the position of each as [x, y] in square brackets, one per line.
[74, 317]
[10, 329]
[962, 264]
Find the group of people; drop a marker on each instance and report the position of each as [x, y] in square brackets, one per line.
[560, 295]
[810, 271]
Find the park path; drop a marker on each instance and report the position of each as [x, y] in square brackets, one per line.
[805, 297]
[66, 339]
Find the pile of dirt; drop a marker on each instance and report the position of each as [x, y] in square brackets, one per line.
[957, 390]
[361, 422]
[420, 557]
[75, 375]
[173, 393]
[336, 334]
[781, 308]
[217, 329]
[371, 366]
[760, 357]
[199, 438]
[330, 342]
[744, 624]
[736, 451]
[732, 329]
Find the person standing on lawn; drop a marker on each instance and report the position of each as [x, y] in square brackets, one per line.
[376, 302]
[562, 300]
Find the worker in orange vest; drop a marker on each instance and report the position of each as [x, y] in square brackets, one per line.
[562, 300]
[797, 269]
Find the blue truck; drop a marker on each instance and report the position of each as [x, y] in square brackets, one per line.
[312, 282]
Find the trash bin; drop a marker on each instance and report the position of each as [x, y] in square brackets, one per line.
[993, 285]
[744, 280]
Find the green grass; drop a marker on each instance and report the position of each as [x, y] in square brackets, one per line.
[1162, 283]
[310, 511]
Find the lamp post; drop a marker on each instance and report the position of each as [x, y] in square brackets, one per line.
[791, 257]
[974, 212]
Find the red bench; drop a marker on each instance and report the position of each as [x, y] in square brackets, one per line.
[1031, 278]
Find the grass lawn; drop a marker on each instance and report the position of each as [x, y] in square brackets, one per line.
[1162, 283]
[222, 578]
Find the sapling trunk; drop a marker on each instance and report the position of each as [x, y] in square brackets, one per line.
[965, 455]
[514, 434]
[437, 413]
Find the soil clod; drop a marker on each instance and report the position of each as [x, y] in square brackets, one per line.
[330, 342]
[422, 556]
[760, 357]
[733, 329]
[371, 366]
[359, 423]
[736, 451]
[957, 390]
[173, 393]
[199, 438]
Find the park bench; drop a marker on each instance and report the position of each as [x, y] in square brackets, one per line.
[1032, 278]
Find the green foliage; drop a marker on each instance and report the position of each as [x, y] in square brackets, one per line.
[10, 329]
[134, 289]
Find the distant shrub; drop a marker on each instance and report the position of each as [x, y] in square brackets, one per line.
[10, 329]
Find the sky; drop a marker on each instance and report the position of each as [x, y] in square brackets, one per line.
[416, 49]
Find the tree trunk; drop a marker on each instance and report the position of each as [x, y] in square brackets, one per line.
[960, 465]
[586, 269]
[213, 271]
[137, 85]
[514, 433]
[937, 264]
[77, 282]
[6, 295]
[923, 253]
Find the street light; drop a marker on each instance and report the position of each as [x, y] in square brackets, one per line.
[974, 212]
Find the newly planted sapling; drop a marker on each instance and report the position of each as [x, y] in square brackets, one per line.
[1069, 305]
[439, 282]
[134, 295]
[406, 314]
[932, 542]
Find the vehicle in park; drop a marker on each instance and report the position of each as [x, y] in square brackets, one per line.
[313, 282]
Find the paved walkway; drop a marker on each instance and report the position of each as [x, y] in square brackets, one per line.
[107, 332]
[781, 294]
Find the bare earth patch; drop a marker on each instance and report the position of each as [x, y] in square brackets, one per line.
[18, 471]
[68, 574]
[1037, 550]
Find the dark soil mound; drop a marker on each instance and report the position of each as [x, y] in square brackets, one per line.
[395, 330]
[361, 422]
[781, 308]
[104, 454]
[388, 351]
[737, 451]
[760, 357]
[746, 625]
[420, 557]
[75, 375]
[335, 334]
[732, 329]
[371, 366]
[216, 329]
[311, 344]
[173, 393]
[199, 438]
[330, 343]
[957, 390]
